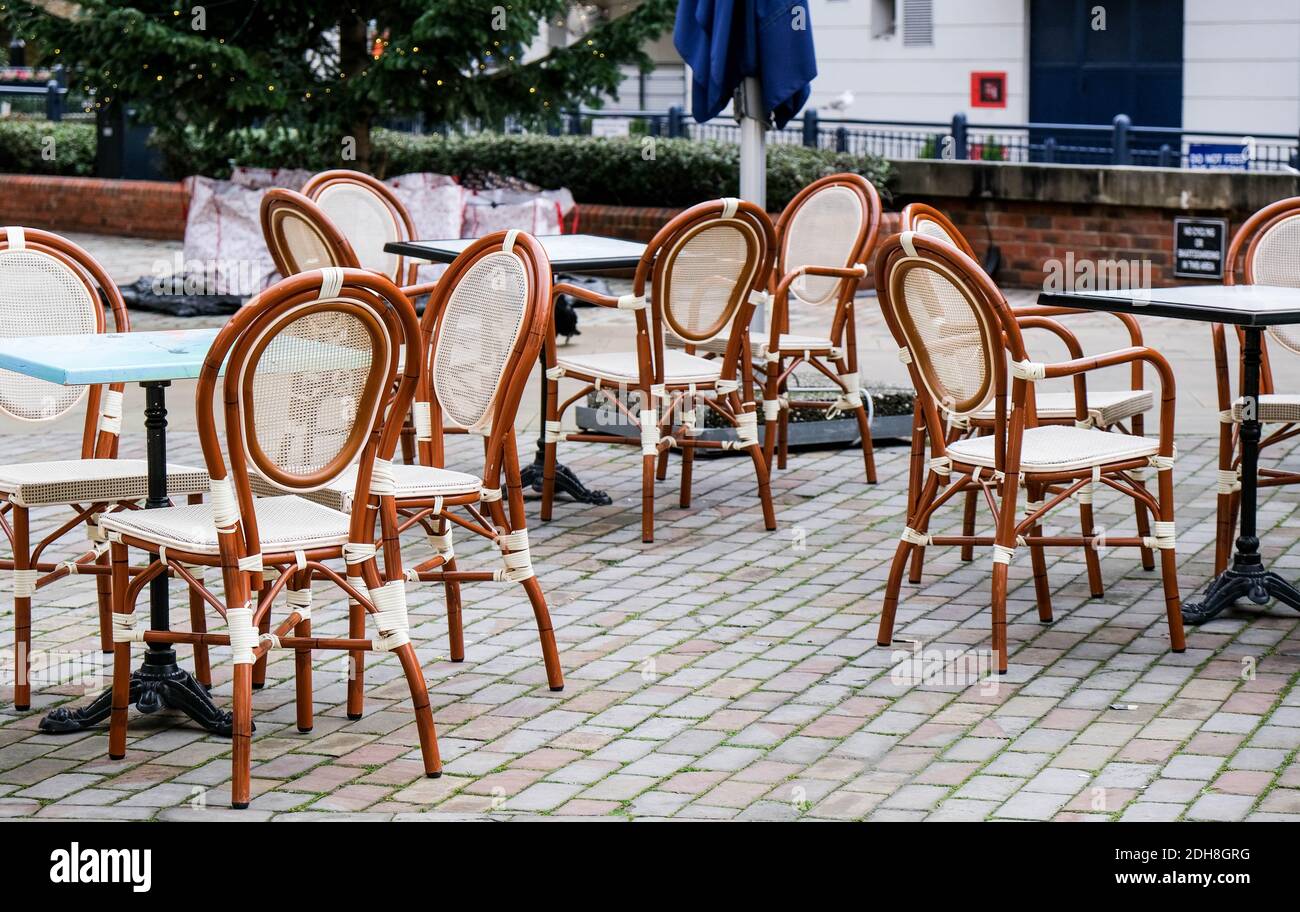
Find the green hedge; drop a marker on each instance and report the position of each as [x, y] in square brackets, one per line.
[636, 171]
[25, 147]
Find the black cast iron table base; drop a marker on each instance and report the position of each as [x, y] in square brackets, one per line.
[1247, 577]
[159, 682]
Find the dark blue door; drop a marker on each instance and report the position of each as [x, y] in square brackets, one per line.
[1089, 61]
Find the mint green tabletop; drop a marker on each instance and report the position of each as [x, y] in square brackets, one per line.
[84, 359]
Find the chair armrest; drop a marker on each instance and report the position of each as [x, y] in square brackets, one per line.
[626, 302]
[781, 297]
[422, 288]
[1027, 370]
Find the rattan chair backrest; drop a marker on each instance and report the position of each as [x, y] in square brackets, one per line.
[50, 287]
[941, 313]
[831, 222]
[368, 214]
[308, 369]
[1273, 257]
[301, 236]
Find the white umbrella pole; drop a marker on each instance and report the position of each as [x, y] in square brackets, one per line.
[753, 158]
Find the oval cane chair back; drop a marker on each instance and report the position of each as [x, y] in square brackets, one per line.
[369, 215]
[50, 286]
[491, 304]
[1272, 257]
[309, 364]
[940, 311]
[301, 236]
[928, 221]
[707, 263]
[831, 222]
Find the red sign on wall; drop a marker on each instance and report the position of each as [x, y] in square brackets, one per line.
[988, 90]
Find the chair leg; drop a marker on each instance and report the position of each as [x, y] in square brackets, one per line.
[764, 487]
[545, 633]
[302, 681]
[1143, 528]
[1223, 518]
[967, 523]
[888, 609]
[1038, 558]
[548, 451]
[772, 428]
[423, 713]
[1088, 528]
[259, 667]
[1169, 568]
[661, 471]
[199, 624]
[783, 440]
[104, 595]
[121, 657]
[22, 614]
[688, 462]
[1000, 615]
[648, 497]
[868, 449]
[241, 737]
[356, 662]
[915, 479]
[455, 620]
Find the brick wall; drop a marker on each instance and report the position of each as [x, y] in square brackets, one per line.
[148, 209]
[1030, 235]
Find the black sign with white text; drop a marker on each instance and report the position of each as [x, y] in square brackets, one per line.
[1199, 245]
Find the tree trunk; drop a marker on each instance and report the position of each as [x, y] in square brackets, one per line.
[354, 56]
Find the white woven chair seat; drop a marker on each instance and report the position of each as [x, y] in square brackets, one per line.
[411, 481]
[283, 524]
[1058, 448]
[85, 481]
[1104, 407]
[621, 367]
[1275, 408]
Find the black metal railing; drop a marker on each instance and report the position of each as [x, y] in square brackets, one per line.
[1116, 143]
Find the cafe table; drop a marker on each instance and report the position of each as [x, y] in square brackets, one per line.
[153, 360]
[1252, 308]
[575, 253]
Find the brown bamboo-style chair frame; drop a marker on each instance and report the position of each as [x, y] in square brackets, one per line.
[947, 477]
[677, 424]
[100, 435]
[928, 221]
[318, 185]
[842, 354]
[390, 321]
[1244, 247]
[500, 519]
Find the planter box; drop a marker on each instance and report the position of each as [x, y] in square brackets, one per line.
[835, 434]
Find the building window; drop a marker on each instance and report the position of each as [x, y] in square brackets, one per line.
[918, 23]
[883, 23]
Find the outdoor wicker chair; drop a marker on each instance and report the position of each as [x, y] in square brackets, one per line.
[50, 286]
[826, 236]
[301, 236]
[369, 215]
[484, 329]
[1107, 409]
[704, 269]
[1266, 245]
[310, 385]
[960, 340]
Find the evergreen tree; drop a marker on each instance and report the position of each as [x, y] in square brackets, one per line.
[327, 70]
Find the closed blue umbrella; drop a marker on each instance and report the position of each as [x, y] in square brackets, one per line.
[764, 46]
